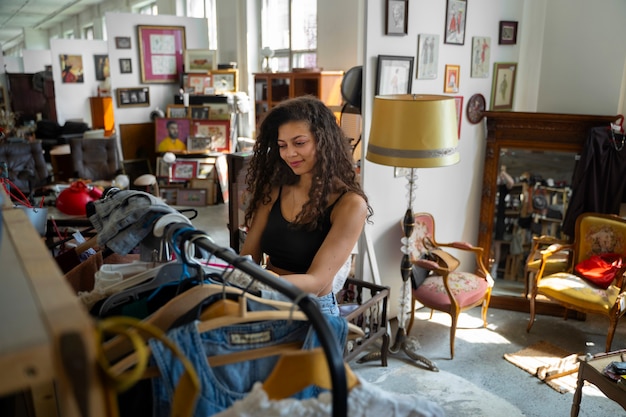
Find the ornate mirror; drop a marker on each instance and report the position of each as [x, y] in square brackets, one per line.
[529, 162]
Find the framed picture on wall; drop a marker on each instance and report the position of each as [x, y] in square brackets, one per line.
[481, 50]
[122, 42]
[503, 86]
[456, 12]
[507, 34]
[451, 79]
[126, 66]
[71, 68]
[161, 53]
[397, 15]
[427, 56]
[133, 97]
[394, 74]
[101, 64]
[200, 60]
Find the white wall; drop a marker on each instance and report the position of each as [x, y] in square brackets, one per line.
[583, 56]
[36, 60]
[339, 34]
[72, 99]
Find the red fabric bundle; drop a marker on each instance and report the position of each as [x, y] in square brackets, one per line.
[600, 269]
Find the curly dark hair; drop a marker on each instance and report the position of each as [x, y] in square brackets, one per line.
[333, 173]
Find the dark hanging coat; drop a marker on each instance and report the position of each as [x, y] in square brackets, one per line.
[599, 179]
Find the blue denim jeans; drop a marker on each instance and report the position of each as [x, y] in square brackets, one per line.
[221, 386]
[327, 303]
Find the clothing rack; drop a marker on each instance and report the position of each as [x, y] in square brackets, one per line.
[302, 299]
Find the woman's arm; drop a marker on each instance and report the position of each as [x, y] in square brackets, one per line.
[348, 218]
[252, 244]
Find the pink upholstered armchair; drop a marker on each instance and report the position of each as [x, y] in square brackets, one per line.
[444, 290]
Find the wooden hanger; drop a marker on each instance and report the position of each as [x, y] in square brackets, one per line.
[167, 315]
[296, 370]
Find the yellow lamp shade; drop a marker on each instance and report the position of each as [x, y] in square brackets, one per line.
[413, 131]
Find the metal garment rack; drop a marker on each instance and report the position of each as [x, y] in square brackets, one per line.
[304, 300]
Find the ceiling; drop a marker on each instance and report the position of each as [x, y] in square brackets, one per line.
[15, 15]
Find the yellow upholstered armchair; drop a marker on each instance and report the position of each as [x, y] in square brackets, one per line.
[595, 233]
[449, 291]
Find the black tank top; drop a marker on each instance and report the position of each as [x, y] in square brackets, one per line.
[291, 248]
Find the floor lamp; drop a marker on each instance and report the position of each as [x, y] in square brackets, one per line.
[412, 131]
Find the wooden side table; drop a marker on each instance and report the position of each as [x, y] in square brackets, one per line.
[591, 370]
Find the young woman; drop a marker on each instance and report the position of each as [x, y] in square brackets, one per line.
[306, 208]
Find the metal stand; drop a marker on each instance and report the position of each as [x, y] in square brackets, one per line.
[403, 343]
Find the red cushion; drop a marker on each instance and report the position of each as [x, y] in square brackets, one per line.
[467, 288]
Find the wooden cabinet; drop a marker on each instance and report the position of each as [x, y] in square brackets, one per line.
[31, 94]
[102, 114]
[272, 88]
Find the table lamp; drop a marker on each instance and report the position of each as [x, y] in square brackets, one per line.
[412, 131]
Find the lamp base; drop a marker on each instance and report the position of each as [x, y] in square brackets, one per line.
[406, 345]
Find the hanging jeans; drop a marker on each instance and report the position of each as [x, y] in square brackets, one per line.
[221, 386]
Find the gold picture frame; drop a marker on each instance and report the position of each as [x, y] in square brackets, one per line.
[225, 81]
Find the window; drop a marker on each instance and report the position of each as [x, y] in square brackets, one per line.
[88, 32]
[289, 28]
[149, 7]
[68, 34]
[205, 9]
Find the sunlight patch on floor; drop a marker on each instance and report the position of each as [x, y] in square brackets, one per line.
[469, 329]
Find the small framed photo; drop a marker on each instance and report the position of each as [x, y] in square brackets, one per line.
[219, 111]
[456, 12]
[133, 97]
[184, 170]
[169, 194]
[225, 81]
[458, 102]
[101, 63]
[217, 130]
[503, 86]
[507, 35]
[126, 66]
[481, 50]
[198, 82]
[200, 112]
[199, 144]
[191, 197]
[200, 60]
[171, 134]
[452, 79]
[122, 42]
[394, 74]
[177, 110]
[397, 16]
[427, 56]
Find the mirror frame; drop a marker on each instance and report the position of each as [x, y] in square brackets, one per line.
[531, 131]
